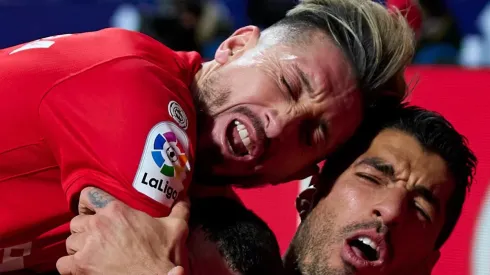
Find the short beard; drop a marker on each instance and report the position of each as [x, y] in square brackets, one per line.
[308, 247]
[211, 95]
[312, 242]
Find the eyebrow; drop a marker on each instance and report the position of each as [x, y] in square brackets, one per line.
[380, 165]
[388, 170]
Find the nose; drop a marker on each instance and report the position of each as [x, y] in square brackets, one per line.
[391, 207]
[276, 124]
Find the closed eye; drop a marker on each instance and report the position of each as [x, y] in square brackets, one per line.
[323, 129]
[293, 95]
[368, 177]
[422, 212]
[314, 133]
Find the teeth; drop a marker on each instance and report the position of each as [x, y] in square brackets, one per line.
[368, 241]
[246, 141]
[243, 132]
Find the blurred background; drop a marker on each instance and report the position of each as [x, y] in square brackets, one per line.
[453, 32]
[451, 69]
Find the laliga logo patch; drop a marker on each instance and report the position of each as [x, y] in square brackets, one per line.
[170, 157]
[178, 114]
[164, 164]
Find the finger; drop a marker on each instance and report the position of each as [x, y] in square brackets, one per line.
[178, 270]
[76, 242]
[183, 260]
[64, 265]
[93, 200]
[79, 223]
[181, 210]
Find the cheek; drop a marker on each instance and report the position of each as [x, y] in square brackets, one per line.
[349, 200]
[255, 88]
[353, 193]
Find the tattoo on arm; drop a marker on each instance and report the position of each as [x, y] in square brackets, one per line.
[99, 198]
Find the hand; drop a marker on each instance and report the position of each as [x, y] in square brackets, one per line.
[109, 237]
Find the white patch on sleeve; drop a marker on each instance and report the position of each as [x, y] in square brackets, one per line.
[178, 114]
[164, 164]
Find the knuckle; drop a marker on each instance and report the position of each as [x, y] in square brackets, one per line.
[61, 264]
[69, 240]
[179, 225]
[96, 222]
[78, 259]
[81, 266]
[73, 221]
[85, 191]
[117, 208]
[69, 244]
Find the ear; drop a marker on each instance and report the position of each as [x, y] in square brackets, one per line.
[305, 200]
[241, 40]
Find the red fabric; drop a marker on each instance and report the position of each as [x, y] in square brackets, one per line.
[411, 10]
[460, 95]
[76, 111]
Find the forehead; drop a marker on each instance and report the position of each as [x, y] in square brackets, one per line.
[331, 79]
[411, 162]
[321, 60]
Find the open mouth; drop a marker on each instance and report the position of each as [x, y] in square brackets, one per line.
[239, 138]
[365, 248]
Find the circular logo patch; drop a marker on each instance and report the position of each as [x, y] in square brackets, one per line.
[169, 155]
[178, 114]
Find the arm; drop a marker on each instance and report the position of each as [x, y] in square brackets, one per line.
[102, 125]
[120, 240]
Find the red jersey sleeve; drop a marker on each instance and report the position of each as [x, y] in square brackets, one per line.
[122, 126]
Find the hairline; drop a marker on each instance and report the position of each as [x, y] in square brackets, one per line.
[303, 35]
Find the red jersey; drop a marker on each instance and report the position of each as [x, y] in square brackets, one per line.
[110, 109]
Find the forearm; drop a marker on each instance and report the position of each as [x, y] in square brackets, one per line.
[116, 239]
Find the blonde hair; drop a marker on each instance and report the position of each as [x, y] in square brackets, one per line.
[379, 43]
